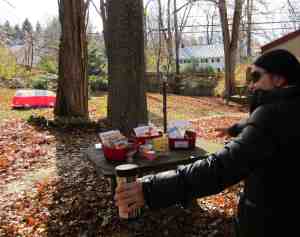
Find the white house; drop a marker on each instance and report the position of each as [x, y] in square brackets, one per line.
[203, 56]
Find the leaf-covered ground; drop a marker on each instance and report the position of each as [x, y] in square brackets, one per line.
[48, 188]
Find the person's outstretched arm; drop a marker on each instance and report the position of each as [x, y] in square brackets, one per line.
[237, 128]
[232, 131]
[232, 164]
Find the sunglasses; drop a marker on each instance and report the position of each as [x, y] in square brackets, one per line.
[255, 76]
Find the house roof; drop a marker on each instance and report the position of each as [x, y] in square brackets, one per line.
[202, 51]
[281, 40]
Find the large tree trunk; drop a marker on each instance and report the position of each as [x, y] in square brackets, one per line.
[127, 105]
[230, 43]
[72, 91]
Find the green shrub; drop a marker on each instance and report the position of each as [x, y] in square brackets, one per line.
[8, 66]
[207, 82]
[210, 70]
[98, 83]
[187, 68]
[49, 64]
[40, 83]
[97, 60]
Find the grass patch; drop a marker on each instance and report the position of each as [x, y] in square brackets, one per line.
[179, 107]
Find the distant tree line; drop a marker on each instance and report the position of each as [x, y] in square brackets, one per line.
[16, 34]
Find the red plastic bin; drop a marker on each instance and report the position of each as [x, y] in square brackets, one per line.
[189, 142]
[142, 140]
[113, 154]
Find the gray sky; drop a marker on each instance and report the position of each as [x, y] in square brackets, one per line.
[43, 10]
[34, 10]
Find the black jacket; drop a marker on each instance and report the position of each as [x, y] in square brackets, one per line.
[237, 128]
[264, 154]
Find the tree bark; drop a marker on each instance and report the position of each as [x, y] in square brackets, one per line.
[72, 91]
[127, 105]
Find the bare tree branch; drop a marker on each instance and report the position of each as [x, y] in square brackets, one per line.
[96, 8]
[9, 3]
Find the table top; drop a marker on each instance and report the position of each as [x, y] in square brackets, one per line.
[162, 162]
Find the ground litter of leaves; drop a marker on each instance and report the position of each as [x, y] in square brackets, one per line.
[48, 188]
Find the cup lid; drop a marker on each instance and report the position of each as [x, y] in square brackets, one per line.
[126, 170]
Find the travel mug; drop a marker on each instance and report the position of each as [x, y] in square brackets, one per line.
[127, 173]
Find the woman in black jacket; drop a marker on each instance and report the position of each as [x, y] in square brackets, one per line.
[263, 154]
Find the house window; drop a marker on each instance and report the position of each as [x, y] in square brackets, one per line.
[218, 60]
[212, 60]
[206, 60]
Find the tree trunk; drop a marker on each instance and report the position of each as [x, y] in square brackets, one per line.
[177, 45]
[230, 43]
[169, 38]
[104, 15]
[177, 40]
[32, 52]
[127, 91]
[159, 40]
[103, 12]
[72, 91]
[167, 35]
[249, 27]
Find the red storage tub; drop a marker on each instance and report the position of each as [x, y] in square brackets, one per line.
[114, 154]
[189, 142]
[142, 140]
